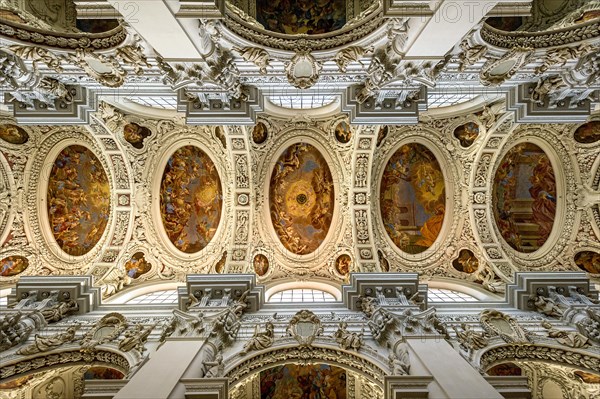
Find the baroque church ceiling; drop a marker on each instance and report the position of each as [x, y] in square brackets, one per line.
[299, 141]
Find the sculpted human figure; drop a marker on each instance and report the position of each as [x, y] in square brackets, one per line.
[546, 306]
[470, 339]
[58, 311]
[346, 339]
[43, 344]
[400, 363]
[214, 368]
[260, 340]
[572, 339]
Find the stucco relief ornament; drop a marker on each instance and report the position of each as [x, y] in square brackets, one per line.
[303, 70]
[261, 339]
[44, 344]
[496, 72]
[304, 327]
[346, 339]
[105, 330]
[572, 339]
[258, 56]
[135, 338]
[469, 339]
[400, 362]
[544, 305]
[496, 323]
[345, 56]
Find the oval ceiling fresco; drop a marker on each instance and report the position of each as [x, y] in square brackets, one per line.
[467, 134]
[260, 133]
[301, 198]
[588, 133]
[13, 265]
[135, 134]
[191, 199]
[413, 198]
[261, 264]
[343, 263]
[588, 261]
[78, 200]
[13, 134]
[524, 197]
[301, 16]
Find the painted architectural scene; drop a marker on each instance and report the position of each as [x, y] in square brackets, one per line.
[301, 198]
[588, 133]
[413, 198]
[588, 261]
[78, 200]
[524, 197]
[135, 134]
[13, 134]
[137, 265]
[301, 16]
[191, 199]
[13, 265]
[293, 381]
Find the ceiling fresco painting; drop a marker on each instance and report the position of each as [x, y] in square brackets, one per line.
[505, 369]
[260, 133]
[191, 199]
[343, 133]
[588, 378]
[466, 262]
[301, 198]
[260, 264]
[135, 134]
[220, 265]
[303, 381]
[78, 200]
[13, 134]
[13, 265]
[588, 133]
[524, 197]
[588, 261]
[343, 264]
[301, 16]
[137, 265]
[467, 134]
[413, 198]
[382, 134]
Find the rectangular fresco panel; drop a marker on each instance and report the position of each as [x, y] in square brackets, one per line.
[293, 381]
[301, 16]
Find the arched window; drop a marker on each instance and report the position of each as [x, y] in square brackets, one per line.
[301, 295]
[445, 295]
[156, 297]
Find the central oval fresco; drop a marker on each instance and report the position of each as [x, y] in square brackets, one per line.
[413, 198]
[301, 198]
[78, 200]
[191, 199]
[524, 197]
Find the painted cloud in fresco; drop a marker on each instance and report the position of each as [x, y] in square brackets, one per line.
[301, 198]
[78, 200]
[191, 199]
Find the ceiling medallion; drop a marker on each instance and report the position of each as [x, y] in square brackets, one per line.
[303, 70]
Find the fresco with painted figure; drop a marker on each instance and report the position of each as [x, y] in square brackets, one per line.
[135, 134]
[260, 133]
[78, 200]
[343, 133]
[467, 134]
[295, 17]
[301, 198]
[413, 198]
[588, 261]
[137, 265]
[524, 197]
[343, 264]
[303, 381]
[466, 262]
[261, 264]
[191, 199]
[102, 373]
[13, 265]
[588, 133]
[13, 134]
